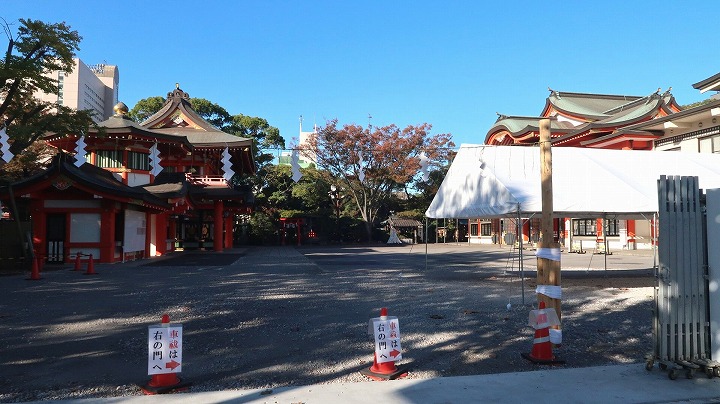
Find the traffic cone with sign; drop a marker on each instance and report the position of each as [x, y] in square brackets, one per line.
[387, 344]
[542, 319]
[162, 383]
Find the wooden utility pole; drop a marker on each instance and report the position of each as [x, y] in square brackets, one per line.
[548, 270]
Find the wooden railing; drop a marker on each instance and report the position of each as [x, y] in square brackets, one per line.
[207, 180]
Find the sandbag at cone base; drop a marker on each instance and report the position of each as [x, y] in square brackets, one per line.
[384, 371]
[542, 347]
[164, 383]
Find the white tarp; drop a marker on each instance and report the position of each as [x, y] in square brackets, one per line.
[492, 181]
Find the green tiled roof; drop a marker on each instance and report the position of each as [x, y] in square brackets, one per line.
[588, 105]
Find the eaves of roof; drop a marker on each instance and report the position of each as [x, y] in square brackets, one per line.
[92, 179]
[589, 106]
[522, 124]
[682, 114]
[178, 100]
[635, 135]
[168, 190]
[714, 79]
[201, 138]
[644, 112]
[403, 222]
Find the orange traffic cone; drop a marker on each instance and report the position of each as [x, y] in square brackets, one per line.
[35, 270]
[77, 261]
[385, 370]
[542, 347]
[91, 267]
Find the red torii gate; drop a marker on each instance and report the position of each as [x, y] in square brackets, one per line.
[289, 223]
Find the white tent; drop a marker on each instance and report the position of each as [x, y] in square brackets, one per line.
[494, 181]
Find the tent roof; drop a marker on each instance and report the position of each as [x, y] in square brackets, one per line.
[495, 181]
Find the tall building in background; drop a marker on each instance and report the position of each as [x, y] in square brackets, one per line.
[93, 87]
[306, 158]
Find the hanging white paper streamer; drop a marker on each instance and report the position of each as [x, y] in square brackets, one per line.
[227, 165]
[295, 164]
[553, 254]
[361, 173]
[552, 291]
[155, 160]
[424, 164]
[555, 336]
[5, 146]
[80, 152]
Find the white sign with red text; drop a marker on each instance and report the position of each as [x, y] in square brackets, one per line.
[164, 349]
[387, 338]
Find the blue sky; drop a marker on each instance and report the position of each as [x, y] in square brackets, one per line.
[453, 64]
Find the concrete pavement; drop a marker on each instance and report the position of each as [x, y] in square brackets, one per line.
[630, 383]
[606, 384]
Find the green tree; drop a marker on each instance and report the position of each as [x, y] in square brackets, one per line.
[145, 108]
[371, 163]
[37, 49]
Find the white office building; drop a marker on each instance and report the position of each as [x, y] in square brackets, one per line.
[93, 87]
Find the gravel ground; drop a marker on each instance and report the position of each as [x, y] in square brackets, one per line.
[282, 316]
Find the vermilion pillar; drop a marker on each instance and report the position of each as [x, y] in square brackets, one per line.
[173, 232]
[229, 231]
[161, 233]
[39, 225]
[107, 235]
[218, 221]
[148, 234]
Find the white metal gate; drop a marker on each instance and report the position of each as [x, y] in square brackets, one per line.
[681, 321]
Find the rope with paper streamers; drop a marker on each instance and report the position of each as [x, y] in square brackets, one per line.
[227, 165]
[155, 160]
[80, 158]
[5, 146]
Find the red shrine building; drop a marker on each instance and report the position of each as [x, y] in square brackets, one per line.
[131, 191]
[581, 120]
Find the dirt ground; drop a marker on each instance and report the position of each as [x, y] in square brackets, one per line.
[278, 316]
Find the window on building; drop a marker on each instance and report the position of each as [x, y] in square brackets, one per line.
[109, 158]
[138, 161]
[710, 144]
[584, 227]
[486, 229]
[588, 227]
[611, 228]
[473, 229]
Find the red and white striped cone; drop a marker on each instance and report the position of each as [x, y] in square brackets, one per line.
[542, 347]
[384, 370]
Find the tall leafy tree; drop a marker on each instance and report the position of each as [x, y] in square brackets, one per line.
[373, 162]
[36, 49]
[145, 108]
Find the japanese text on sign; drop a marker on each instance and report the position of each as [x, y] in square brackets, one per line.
[164, 349]
[387, 339]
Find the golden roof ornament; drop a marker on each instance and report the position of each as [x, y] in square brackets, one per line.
[120, 109]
